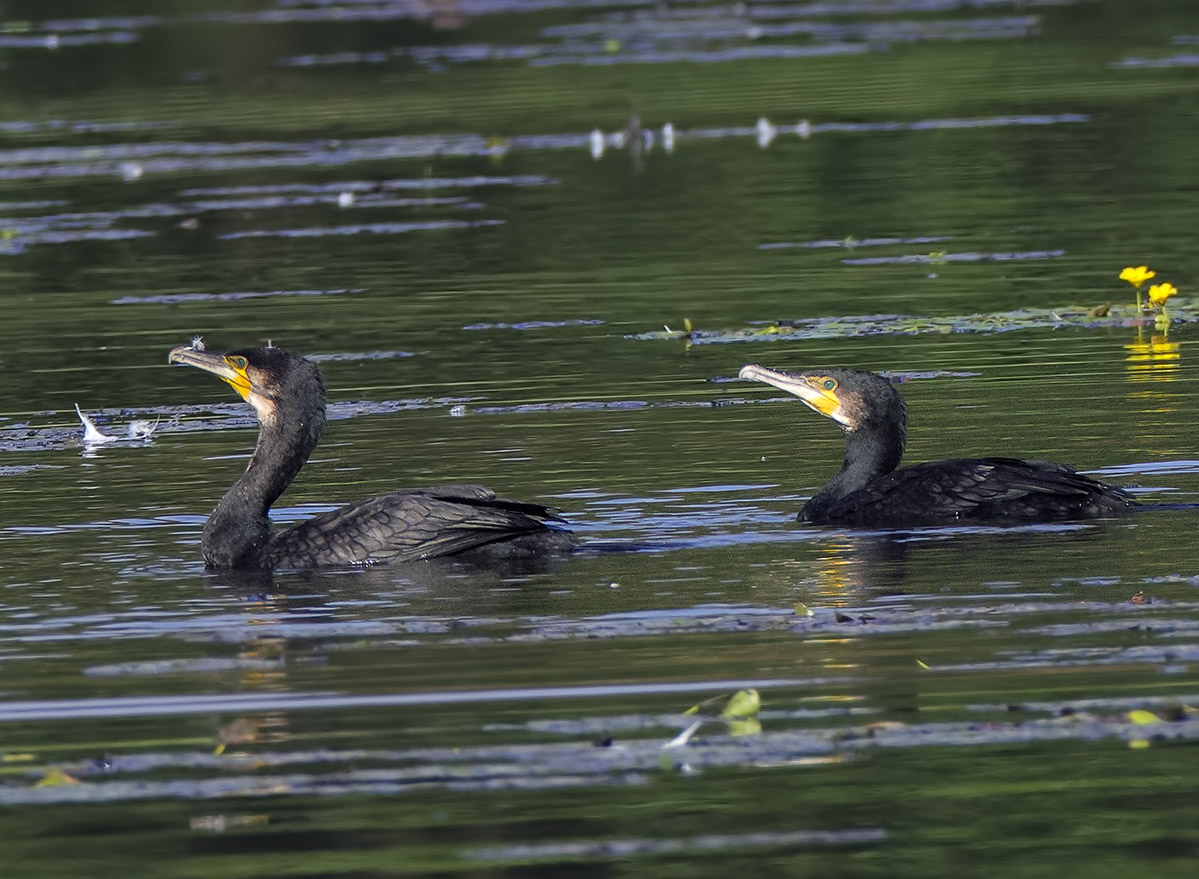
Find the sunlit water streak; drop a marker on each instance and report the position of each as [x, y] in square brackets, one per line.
[541, 766]
[177, 298]
[591, 850]
[361, 228]
[200, 704]
[1184, 59]
[175, 158]
[72, 32]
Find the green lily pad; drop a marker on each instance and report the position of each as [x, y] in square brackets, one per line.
[840, 327]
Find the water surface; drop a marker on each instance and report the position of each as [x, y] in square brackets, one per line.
[479, 217]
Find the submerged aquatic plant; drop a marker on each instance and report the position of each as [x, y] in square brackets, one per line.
[1137, 276]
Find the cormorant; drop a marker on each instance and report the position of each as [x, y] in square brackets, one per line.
[288, 396]
[870, 491]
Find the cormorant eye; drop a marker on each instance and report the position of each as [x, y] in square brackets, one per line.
[830, 384]
[239, 362]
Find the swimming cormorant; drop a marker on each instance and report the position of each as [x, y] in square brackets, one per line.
[870, 491]
[288, 396]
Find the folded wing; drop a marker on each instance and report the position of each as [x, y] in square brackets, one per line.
[407, 526]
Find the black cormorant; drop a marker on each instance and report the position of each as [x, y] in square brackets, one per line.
[288, 396]
[870, 491]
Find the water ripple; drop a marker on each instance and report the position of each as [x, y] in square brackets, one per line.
[361, 228]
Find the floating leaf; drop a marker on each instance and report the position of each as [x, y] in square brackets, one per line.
[744, 727]
[1142, 718]
[841, 327]
[242, 731]
[743, 703]
[56, 778]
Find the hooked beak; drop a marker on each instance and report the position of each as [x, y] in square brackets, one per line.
[215, 363]
[798, 384]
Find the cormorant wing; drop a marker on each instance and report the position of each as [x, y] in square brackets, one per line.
[991, 489]
[408, 526]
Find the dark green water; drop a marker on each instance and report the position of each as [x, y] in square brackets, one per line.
[410, 193]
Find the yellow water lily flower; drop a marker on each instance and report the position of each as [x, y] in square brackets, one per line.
[1159, 293]
[1137, 275]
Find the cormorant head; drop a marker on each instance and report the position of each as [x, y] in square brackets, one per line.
[850, 397]
[266, 378]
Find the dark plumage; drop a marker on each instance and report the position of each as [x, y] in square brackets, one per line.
[288, 396]
[870, 491]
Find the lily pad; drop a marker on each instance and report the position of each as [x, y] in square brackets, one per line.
[846, 326]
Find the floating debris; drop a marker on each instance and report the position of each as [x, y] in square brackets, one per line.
[56, 778]
[54, 41]
[18, 469]
[92, 435]
[363, 355]
[142, 429]
[766, 132]
[850, 242]
[846, 326]
[361, 229]
[171, 157]
[361, 186]
[176, 298]
[668, 137]
[1185, 59]
[685, 736]
[665, 36]
[138, 429]
[221, 823]
[941, 257]
[537, 324]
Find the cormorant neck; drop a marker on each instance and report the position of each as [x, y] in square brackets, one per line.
[238, 531]
[871, 451]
